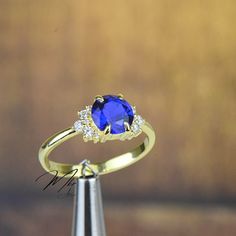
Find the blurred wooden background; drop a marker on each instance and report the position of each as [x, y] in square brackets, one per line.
[175, 60]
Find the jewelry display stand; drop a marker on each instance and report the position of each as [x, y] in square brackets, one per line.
[121, 122]
[88, 219]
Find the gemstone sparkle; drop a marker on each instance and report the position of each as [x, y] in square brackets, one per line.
[113, 111]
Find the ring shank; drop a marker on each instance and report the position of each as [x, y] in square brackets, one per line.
[111, 165]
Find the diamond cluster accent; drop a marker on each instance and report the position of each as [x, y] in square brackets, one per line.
[86, 126]
[136, 126]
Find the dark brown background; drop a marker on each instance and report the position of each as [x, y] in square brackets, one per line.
[175, 60]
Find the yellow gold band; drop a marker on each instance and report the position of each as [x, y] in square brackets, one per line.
[111, 165]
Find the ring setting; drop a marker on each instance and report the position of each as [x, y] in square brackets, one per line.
[110, 117]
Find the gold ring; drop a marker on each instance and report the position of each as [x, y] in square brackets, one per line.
[109, 118]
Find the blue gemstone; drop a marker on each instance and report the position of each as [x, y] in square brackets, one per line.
[112, 111]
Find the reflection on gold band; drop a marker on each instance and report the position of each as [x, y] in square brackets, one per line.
[111, 165]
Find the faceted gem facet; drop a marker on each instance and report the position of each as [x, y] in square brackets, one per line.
[113, 111]
[78, 125]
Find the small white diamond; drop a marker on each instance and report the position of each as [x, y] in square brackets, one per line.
[95, 135]
[135, 128]
[84, 114]
[139, 120]
[78, 125]
[86, 122]
[88, 132]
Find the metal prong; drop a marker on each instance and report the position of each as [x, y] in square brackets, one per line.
[127, 126]
[95, 140]
[99, 98]
[106, 134]
[86, 165]
[120, 95]
[134, 109]
[107, 130]
[85, 139]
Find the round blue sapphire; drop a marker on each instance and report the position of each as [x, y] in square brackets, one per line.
[113, 111]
